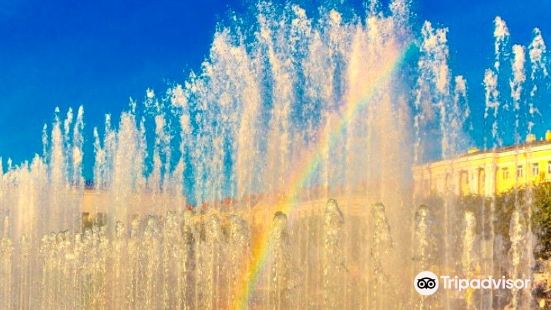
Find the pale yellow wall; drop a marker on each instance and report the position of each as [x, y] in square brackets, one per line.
[483, 172]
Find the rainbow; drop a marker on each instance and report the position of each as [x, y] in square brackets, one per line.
[393, 58]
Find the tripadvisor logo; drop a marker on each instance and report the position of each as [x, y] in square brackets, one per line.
[426, 283]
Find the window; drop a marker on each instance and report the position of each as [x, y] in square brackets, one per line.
[505, 173]
[520, 171]
[535, 169]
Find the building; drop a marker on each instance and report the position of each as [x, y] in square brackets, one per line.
[487, 172]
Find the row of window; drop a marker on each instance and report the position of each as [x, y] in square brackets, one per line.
[535, 169]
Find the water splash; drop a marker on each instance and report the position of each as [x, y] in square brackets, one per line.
[501, 35]
[282, 115]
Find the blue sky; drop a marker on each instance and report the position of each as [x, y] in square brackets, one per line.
[99, 53]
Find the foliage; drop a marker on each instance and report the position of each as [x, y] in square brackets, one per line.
[539, 197]
[541, 220]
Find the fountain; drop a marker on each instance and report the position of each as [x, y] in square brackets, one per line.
[424, 249]
[468, 259]
[333, 264]
[222, 192]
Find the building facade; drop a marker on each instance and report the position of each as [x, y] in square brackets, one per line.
[487, 172]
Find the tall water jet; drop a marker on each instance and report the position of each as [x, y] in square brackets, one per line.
[469, 261]
[381, 246]
[438, 105]
[280, 272]
[6, 250]
[517, 234]
[520, 258]
[333, 261]
[212, 261]
[119, 272]
[134, 264]
[151, 264]
[239, 252]
[185, 260]
[170, 248]
[424, 250]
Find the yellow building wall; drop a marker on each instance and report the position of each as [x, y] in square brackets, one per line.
[485, 173]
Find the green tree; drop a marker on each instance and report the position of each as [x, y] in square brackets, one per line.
[541, 220]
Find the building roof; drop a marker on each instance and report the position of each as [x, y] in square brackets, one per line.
[508, 148]
[476, 154]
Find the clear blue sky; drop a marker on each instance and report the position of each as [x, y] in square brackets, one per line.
[99, 53]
